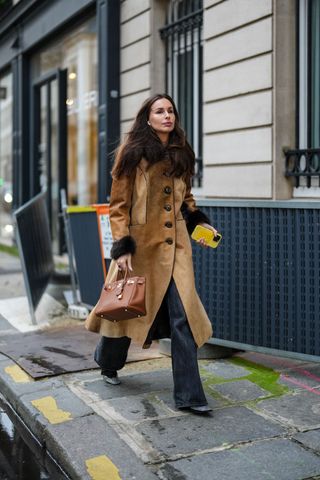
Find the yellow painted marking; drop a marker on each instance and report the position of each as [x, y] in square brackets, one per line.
[80, 209]
[101, 468]
[49, 409]
[17, 374]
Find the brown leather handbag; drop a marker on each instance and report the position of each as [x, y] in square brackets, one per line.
[122, 299]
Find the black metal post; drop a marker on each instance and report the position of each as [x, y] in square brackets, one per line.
[297, 144]
[20, 127]
[108, 18]
[62, 149]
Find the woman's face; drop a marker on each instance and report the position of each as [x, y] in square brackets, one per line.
[162, 117]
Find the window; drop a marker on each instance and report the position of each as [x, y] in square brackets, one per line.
[309, 74]
[77, 53]
[183, 36]
[303, 164]
[6, 222]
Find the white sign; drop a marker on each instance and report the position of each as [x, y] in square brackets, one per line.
[106, 235]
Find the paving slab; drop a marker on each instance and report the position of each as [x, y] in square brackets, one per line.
[167, 398]
[135, 408]
[131, 385]
[14, 389]
[301, 409]
[140, 407]
[12, 286]
[272, 361]
[279, 459]
[310, 439]
[86, 375]
[225, 369]
[191, 433]
[43, 408]
[88, 439]
[240, 390]
[301, 377]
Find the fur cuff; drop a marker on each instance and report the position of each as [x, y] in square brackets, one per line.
[194, 218]
[123, 246]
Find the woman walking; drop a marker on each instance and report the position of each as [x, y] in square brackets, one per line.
[152, 213]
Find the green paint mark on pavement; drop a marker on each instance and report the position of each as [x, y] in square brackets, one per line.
[262, 376]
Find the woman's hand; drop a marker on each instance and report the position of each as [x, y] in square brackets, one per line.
[209, 227]
[124, 262]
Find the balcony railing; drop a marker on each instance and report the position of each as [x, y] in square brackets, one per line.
[303, 163]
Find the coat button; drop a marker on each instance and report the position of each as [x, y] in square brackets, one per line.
[167, 190]
[168, 224]
[169, 241]
[167, 207]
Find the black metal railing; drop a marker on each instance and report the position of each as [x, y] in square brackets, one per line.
[261, 286]
[303, 163]
[186, 22]
[183, 39]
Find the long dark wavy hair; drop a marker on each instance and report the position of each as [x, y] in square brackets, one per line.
[143, 141]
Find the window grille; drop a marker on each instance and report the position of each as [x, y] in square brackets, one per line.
[183, 36]
[303, 163]
[268, 291]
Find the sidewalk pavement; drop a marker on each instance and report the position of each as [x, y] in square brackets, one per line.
[265, 422]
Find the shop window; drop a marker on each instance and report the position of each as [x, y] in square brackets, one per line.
[303, 163]
[76, 53]
[183, 37]
[6, 221]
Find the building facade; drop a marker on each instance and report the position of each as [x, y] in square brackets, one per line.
[57, 68]
[244, 73]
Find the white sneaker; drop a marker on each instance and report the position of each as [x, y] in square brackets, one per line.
[112, 380]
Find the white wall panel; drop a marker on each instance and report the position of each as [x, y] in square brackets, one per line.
[241, 112]
[238, 181]
[234, 13]
[135, 54]
[209, 3]
[131, 8]
[238, 147]
[135, 80]
[247, 76]
[130, 105]
[135, 29]
[239, 44]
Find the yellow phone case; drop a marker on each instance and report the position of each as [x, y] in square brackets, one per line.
[203, 232]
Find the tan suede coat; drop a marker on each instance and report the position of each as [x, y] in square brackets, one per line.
[147, 206]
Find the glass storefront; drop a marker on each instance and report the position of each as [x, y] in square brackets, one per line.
[6, 221]
[75, 53]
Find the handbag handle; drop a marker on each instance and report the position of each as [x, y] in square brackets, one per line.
[122, 281]
[119, 272]
[125, 274]
[120, 288]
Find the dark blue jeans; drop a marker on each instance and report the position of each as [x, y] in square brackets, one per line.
[111, 354]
